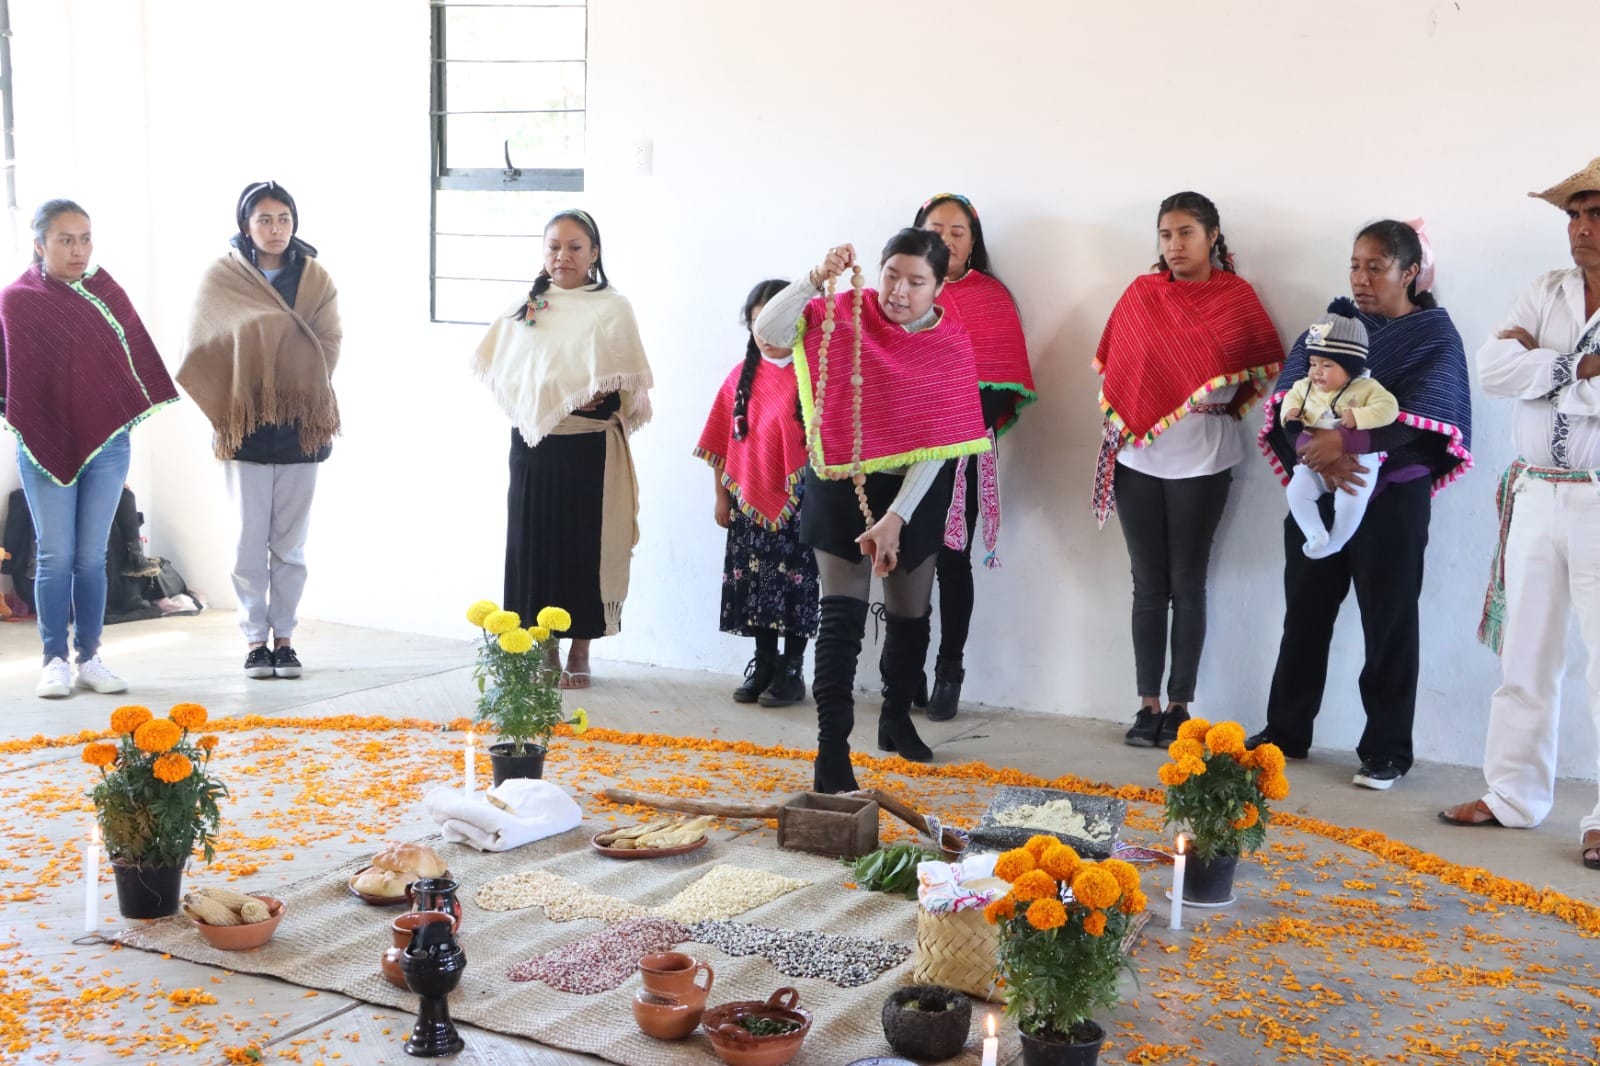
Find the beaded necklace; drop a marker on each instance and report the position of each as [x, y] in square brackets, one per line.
[857, 476]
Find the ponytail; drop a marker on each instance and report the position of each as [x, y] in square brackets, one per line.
[763, 291]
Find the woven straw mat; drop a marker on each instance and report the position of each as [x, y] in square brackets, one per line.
[332, 941]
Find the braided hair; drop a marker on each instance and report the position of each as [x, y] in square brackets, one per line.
[759, 295]
[1401, 243]
[1205, 213]
[541, 283]
[979, 259]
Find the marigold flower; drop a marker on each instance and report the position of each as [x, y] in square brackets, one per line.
[171, 767]
[1179, 750]
[100, 754]
[1038, 844]
[999, 910]
[1194, 729]
[1192, 766]
[499, 622]
[1226, 738]
[516, 641]
[1172, 775]
[1249, 818]
[1126, 873]
[1134, 902]
[1094, 923]
[579, 721]
[1273, 786]
[208, 741]
[1013, 864]
[1268, 758]
[1095, 887]
[540, 634]
[555, 618]
[189, 715]
[1060, 862]
[480, 611]
[127, 719]
[1035, 884]
[1047, 914]
[157, 735]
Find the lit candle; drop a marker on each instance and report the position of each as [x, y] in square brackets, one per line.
[991, 1045]
[91, 880]
[472, 762]
[1179, 861]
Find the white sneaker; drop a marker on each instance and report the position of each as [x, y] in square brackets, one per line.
[56, 681]
[94, 674]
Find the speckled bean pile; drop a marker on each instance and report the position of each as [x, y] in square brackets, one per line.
[846, 961]
[602, 961]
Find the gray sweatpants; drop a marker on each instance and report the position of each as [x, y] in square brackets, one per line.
[273, 502]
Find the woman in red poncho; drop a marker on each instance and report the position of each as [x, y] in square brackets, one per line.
[918, 406]
[754, 439]
[983, 306]
[1187, 349]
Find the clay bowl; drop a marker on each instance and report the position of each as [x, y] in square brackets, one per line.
[736, 1046]
[244, 937]
[665, 1017]
[932, 1032]
[379, 901]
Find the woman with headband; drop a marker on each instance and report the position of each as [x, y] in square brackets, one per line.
[1415, 352]
[889, 389]
[567, 367]
[974, 297]
[263, 342]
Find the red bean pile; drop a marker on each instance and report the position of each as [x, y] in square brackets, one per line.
[602, 961]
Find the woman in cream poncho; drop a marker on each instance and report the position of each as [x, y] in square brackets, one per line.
[569, 370]
[263, 342]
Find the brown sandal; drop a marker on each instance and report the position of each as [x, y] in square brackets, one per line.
[1475, 813]
[1591, 849]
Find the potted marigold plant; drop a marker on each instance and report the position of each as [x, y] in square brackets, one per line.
[156, 802]
[1218, 791]
[519, 686]
[1061, 926]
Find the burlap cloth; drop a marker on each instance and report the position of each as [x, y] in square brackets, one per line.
[332, 941]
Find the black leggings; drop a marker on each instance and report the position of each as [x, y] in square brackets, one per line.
[1169, 524]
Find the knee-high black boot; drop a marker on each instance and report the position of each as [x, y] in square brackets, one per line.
[905, 647]
[838, 646]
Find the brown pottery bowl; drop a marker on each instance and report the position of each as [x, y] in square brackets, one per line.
[244, 937]
[666, 1017]
[736, 1046]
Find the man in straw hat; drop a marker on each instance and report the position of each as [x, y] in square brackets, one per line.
[1548, 561]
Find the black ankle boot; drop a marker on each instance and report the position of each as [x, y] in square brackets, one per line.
[905, 648]
[947, 678]
[838, 646]
[788, 685]
[136, 564]
[757, 676]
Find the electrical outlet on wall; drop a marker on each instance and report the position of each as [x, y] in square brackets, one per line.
[640, 158]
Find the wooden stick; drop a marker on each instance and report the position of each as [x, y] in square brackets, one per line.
[687, 805]
[909, 815]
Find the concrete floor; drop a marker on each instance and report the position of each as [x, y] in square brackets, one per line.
[352, 670]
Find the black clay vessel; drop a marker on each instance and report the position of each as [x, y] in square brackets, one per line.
[432, 964]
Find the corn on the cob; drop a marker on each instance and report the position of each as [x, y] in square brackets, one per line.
[254, 911]
[207, 910]
[227, 897]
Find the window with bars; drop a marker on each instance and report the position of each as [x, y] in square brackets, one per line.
[508, 141]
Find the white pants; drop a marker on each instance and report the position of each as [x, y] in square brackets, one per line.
[1552, 565]
[1306, 487]
[269, 569]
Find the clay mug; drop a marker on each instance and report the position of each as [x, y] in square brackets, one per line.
[401, 929]
[674, 975]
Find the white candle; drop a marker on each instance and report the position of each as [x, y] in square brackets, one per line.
[991, 1045]
[1179, 861]
[91, 880]
[472, 762]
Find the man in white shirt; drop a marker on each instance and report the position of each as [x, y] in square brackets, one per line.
[1545, 357]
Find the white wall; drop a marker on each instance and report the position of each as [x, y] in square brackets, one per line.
[776, 133]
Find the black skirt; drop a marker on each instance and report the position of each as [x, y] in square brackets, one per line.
[831, 519]
[769, 580]
[553, 527]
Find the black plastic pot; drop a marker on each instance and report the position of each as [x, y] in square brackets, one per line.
[1056, 1051]
[148, 891]
[1209, 880]
[506, 765]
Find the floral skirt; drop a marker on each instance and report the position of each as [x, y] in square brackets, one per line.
[769, 581]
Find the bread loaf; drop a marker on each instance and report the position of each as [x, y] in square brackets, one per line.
[416, 860]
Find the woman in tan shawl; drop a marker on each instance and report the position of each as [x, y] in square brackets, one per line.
[263, 341]
[568, 369]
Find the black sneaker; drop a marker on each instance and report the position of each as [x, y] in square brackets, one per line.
[1380, 774]
[258, 664]
[1146, 725]
[1264, 737]
[1168, 731]
[285, 663]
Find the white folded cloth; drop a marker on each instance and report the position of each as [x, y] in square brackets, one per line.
[538, 810]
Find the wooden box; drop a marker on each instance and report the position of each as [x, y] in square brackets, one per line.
[845, 827]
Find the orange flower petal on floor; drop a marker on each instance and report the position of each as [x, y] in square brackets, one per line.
[127, 719]
[1035, 884]
[1048, 914]
[1013, 864]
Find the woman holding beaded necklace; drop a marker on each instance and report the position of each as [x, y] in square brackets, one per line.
[901, 397]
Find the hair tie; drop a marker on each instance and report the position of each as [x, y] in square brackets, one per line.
[962, 200]
[1424, 281]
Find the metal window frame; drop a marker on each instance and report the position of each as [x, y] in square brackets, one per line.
[7, 117]
[445, 178]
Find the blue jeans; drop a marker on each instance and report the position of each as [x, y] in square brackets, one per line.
[72, 523]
